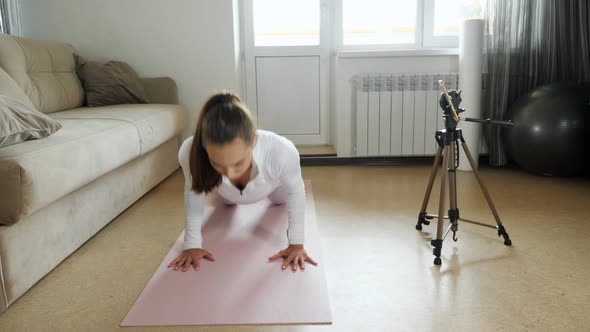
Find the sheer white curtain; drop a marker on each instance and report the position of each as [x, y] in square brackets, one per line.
[10, 22]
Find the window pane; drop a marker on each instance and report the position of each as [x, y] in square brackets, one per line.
[377, 22]
[286, 22]
[448, 15]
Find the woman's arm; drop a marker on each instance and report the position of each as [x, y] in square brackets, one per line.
[290, 176]
[194, 209]
[194, 204]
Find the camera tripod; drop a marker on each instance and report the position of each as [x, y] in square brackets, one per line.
[448, 149]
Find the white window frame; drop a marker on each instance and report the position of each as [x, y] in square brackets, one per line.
[429, 40]
[339, 33]
[424, 34]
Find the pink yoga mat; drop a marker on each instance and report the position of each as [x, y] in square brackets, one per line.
[241, 286]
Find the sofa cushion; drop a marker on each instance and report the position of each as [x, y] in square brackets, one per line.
[19, 122]
[155, 123]
[44, 70]
[92, 142]
[8, 87]
[36, 173]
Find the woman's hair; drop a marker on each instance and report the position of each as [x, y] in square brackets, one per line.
[223, 118]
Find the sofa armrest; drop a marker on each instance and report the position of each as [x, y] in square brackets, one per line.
[160, 90]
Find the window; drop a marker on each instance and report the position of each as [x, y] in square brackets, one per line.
[378, 22]
[286, 22]
[449, 13]
[364, 24]
[442, 20]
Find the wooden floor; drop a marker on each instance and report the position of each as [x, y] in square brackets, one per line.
[379, 268]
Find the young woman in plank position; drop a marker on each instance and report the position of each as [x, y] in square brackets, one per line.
[245, 165]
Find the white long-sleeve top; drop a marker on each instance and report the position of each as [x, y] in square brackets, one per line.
[275, 163]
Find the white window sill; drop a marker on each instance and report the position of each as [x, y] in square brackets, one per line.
[396, 53]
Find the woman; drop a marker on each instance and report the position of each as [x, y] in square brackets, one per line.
[246, 165]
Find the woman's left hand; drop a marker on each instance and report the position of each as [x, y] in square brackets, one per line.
[295, 256]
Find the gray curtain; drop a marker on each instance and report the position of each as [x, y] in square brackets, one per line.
[533, 42]
[4, 19]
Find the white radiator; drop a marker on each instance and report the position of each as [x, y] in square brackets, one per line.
[398, 114]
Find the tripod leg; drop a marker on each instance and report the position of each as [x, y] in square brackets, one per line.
[453, 210]
[437, 244]
[422, 216]
[501, 230]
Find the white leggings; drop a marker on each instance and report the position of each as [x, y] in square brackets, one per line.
[277, 197]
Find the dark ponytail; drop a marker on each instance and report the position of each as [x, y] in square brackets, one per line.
[223, 118]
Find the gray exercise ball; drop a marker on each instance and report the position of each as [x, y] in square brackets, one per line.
[548, 133]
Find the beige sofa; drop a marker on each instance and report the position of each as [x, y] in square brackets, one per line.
[57, 192]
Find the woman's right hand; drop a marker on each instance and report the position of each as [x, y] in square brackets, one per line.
[191, 257]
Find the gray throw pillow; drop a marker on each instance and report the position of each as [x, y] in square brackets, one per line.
[109, 83]
[20, 122]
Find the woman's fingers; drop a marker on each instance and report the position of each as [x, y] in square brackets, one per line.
[276, 256]
[208, 256]
[289, 260]
[191, 258]
[302, 262]
[307, 258]
[174, 261]
[180, 262]
[196, 265]
[295, 262]
[187, 263]
[294, 258]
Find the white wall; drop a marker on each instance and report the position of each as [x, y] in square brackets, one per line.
[198, 44]
[194, 42]
[347, 67]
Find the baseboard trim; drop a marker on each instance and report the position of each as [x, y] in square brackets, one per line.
[374, 161]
